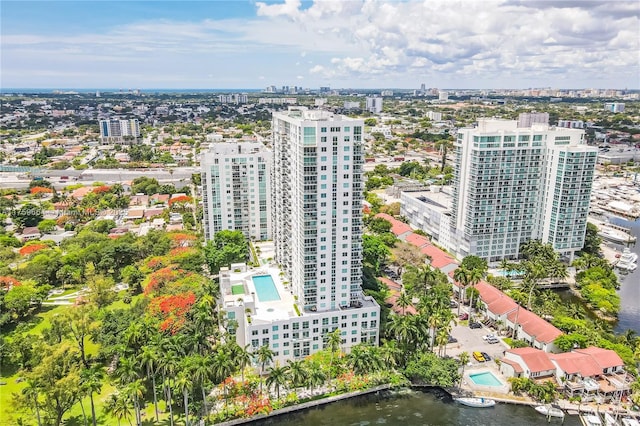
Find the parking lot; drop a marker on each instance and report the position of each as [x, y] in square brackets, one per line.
[470, 340]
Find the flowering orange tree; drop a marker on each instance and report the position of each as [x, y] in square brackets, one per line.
[32, 248]
[181, 239]
[171, 310]
[181, 199]
[41, 190]
[101, 189]
[157, 280]
[6, 283]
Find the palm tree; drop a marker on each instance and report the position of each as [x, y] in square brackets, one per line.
[464, 359]
[403, 301]
[265, 356]
[390, 353]
[135, 391]
[534, 271]
[149, 358]
[242, 357]
[402, 330]
[168, 366]
[91, 379]
[475, 276]
[201, 371]
[316, 376]
[364, 359]
[32, 393]
[277, 377]
[118, 407]
[334, 340]
[184, 384]
[222, 367]
[462, 276]
[297, 373]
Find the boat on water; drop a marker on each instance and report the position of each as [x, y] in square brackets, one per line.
[590, 420]
[628, 421]
[550, 410]
[609, 420]
[615, 235]
[476, 402]
[627, 260]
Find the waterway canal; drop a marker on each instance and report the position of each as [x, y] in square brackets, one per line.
[413, 408]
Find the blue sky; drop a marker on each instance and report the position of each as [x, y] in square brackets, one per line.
[337, 43]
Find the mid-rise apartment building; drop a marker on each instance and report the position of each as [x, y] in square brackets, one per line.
[236, 189]
[119, 130]
[373, 104]
[515, 184]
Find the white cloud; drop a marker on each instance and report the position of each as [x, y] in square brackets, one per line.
[387, 42]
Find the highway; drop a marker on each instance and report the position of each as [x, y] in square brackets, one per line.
[179, 176]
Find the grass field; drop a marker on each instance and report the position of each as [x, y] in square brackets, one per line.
[9, 415]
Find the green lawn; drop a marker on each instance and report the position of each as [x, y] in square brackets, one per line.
[237, 289]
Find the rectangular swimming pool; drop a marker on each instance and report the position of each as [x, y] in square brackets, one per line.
[265, 288]
[485, 379]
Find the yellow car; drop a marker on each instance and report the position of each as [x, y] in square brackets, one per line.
[478, 357]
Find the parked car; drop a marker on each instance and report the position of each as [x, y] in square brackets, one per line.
[478, 356]
[475, 325]
[464, 316]
[452, 339]
[486, 356]
[493, 340]
[453, 304]
[488, 336]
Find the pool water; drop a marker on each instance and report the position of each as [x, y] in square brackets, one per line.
[485, 379]
[265, 288]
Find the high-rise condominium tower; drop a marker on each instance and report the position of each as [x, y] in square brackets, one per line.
[236, 189]
[317, 206]
[514, 184]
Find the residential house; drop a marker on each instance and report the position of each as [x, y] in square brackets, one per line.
[527, 362]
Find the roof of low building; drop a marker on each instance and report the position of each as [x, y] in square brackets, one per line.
[576, 363]
[397, 227]
[535, 359]
[606, 358]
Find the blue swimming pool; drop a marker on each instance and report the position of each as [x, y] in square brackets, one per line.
[265, 288]
[485, 379]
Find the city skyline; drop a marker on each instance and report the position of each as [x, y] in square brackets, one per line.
[164, 44]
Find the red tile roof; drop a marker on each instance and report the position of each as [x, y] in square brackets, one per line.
[390, 283]
[576, 363]
[397, 227]
[393, 299]
[605, 358]
[417, 240]
[439, 258]
[535, 359]
[534, 326]
[516, 367]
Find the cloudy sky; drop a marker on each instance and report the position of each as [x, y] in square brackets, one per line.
[336, 43]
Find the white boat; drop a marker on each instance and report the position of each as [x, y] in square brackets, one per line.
[615, 235]
[590, 420]
[628, 421]
[627, 260]
[550, 411]
[476, 402]
[609, 420]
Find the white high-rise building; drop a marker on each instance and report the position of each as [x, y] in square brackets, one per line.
[374, 104]
[515, 184]
[614, 107]
[317, 187]
[443, 95]
[236, 189]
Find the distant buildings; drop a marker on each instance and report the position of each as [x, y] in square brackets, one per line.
[572, 124]
[434, 116]
[351, 105]
[614, 107]
[527, 119]
[234, 98]
[278, 101]
[374, 104]
[235, 189]
[119, 131]
[443, 95]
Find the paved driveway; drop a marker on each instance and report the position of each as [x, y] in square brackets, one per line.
[470, 340]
